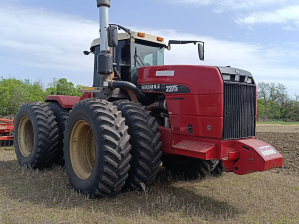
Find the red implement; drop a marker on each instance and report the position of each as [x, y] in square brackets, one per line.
[6, 132]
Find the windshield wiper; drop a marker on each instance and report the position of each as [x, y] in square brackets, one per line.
[136, 56]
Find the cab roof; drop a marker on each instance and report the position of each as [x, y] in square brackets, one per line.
[125, 36]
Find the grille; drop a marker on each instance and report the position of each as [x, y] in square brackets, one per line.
[239, 111]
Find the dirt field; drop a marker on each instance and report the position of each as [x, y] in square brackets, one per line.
[32, 196]
[285, 138]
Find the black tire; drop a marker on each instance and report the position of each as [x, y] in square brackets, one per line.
[36, 135]
[188, 167]
[146, 144]
[61, 115]
[96, 148]
[219, 169]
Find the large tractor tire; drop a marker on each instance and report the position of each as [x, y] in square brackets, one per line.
[61, 115]
[36, 135]
[96, 148]
[146, 144]
[188, 167]
[219, 169]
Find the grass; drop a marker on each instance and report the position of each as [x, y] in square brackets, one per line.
[278, 122]
[32, 196]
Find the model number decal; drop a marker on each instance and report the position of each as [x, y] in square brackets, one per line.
[164, 88]
[150, 87]
[172, 89]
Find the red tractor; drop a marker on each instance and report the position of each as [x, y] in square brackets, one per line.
[197, 120]
[6, 132]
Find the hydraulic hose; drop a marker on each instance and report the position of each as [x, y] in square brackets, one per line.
[128, 85]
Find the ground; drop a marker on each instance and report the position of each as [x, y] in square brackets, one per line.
[32, 196]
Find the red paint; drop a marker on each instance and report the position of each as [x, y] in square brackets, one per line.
[4, 138]
[202, 109]
[199, 150]
[86, 96]
[6, 128]
[256, 155]
[200, 79]
[232, 152]
[65, 101]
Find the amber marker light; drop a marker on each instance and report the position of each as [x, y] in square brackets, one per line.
[161, 39]
[141, 34]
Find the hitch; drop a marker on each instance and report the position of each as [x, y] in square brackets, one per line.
[255, 156]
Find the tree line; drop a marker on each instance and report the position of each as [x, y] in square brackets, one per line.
[14, 92]
[274, 103]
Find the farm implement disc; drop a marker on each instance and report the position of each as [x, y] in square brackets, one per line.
[6, 132]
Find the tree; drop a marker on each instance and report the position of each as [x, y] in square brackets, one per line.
[274, 102]
[15, 92]
[63, 87]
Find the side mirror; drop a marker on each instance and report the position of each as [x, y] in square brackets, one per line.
[201, 52]
[112, 36]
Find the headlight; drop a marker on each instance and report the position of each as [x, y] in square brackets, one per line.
[226, 77]
[249, 80]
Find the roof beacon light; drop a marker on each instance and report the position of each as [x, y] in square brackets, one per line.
[141, 34]
[161, 39]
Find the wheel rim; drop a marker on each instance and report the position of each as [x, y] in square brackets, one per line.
[25, 136]
[82, 149]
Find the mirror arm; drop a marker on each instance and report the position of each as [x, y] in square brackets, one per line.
[128, 31]
[170, 42]
[185, 42]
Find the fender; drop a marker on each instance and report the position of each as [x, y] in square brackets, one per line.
[65, 101]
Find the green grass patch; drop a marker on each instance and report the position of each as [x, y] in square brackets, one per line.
[278, 122]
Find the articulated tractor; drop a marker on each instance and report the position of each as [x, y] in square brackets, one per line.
[140, 114]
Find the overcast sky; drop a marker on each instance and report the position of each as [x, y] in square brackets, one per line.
[41, 39]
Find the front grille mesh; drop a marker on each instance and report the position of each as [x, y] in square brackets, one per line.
[239, 111]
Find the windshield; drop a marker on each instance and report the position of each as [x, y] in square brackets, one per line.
[143, 55]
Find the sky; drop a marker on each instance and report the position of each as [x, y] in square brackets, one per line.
[42, 40]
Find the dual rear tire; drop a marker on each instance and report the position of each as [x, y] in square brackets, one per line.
[36, 135]
[61, 115]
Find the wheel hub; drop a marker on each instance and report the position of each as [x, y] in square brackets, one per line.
[82, 150]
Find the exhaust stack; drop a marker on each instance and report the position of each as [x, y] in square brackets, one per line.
[104, 6]
[104, 58]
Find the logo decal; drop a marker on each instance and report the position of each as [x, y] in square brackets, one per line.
[164, 73]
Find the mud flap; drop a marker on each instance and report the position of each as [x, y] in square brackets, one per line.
[256, 156]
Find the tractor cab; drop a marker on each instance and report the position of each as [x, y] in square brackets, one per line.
[133, 52]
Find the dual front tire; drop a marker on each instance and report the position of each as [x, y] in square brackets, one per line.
[191, 168]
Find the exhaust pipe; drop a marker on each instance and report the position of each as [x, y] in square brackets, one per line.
[104, 6]
[104, 58]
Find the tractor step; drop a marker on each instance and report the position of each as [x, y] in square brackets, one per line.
[200, 150]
